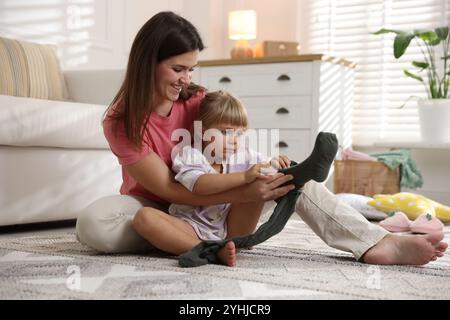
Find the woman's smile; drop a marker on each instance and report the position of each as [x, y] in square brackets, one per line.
[177, 88]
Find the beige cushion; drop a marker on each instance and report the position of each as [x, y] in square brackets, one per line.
[30, 70]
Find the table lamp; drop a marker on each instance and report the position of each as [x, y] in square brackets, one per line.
[242, 27]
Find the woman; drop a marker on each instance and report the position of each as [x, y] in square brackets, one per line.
[156, 98]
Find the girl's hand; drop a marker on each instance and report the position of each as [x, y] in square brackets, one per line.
[254, 172]
[280, 162]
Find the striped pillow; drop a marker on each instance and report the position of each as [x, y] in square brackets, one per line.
[30, 70]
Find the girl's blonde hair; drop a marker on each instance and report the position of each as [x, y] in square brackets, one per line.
[219, 107]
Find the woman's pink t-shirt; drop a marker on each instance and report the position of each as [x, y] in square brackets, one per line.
[156, 138]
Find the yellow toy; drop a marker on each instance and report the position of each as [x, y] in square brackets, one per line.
[413, 205]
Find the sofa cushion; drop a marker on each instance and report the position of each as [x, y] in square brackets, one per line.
[30, 70]
[48, 184]
[93, 86]
[47, 123]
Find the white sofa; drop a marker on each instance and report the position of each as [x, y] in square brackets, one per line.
[54, 159]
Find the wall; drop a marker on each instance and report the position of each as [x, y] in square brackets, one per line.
[88, 33]
[97, 34]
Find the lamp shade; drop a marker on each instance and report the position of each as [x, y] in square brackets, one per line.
[242, 25]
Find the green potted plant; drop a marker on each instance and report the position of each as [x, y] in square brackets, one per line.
[434, 111]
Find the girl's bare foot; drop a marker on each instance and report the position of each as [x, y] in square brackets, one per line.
[412, 250]
[227, 254]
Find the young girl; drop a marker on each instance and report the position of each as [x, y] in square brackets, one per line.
[228, 166]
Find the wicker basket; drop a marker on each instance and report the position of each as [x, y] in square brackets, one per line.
[365, 177]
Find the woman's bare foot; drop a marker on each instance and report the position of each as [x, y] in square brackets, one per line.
[412, 250]
[227, 254]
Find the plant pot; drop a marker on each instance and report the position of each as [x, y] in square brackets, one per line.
[434, 116]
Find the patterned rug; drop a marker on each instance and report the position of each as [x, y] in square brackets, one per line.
[295, 264]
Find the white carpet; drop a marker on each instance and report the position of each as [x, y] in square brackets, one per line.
[295, 264]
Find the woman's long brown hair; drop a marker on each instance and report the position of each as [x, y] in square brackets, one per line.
[163, 36]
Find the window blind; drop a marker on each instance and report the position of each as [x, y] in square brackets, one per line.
[343, 28]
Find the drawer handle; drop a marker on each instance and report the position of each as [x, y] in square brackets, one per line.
[225, 80]
[282, 110]
[282, 144]
[284, 77]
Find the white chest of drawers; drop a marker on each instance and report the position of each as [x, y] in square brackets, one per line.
[298, 95]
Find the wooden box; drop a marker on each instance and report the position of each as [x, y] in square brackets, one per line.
[365, 178]
[276, 49]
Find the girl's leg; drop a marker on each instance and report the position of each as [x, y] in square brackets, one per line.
[167, 233]
[106, 224]
[243, 218]
[173, 235]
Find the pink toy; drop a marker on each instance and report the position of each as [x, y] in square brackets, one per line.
[426, 223]
[399, 222]
[396, 222]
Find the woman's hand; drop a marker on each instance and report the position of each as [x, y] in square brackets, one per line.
[266, 188]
